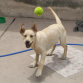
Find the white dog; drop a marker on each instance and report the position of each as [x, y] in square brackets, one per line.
[42, 41]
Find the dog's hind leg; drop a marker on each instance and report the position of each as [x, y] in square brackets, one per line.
[63, 44]
[50, 53]
[65, 52]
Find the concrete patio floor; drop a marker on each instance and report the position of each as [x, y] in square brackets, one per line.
[14, 69]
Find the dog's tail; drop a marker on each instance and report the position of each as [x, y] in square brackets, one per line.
[55, 15]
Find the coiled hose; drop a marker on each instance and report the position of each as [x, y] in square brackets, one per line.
[32, 49]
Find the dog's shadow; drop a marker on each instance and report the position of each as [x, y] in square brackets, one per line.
[56, 62]
[46, 72]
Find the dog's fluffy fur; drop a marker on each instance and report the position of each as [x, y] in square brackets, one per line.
[42, 41]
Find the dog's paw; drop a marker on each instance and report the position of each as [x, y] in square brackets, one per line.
[49, 54]
[32, 65]
[63, 58]
[38, 74]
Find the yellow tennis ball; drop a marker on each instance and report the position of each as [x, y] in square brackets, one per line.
[38, 11]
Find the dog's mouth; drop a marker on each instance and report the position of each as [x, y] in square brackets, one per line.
[28, 45]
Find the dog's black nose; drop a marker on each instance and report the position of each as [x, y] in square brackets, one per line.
[27, 42]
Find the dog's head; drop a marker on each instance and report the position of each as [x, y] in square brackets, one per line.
[28, 35]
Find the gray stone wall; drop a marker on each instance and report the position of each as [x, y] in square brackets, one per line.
[52, 3]
[66, 9]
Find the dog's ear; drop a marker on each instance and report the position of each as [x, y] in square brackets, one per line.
[34, 27]
[22, 29]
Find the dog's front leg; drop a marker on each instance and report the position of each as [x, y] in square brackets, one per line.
[41, 64]
[32, 65]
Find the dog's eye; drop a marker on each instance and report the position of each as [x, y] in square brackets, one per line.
[25, 35]
[31, 35]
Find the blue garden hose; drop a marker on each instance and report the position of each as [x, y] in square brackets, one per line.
[32, 49]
